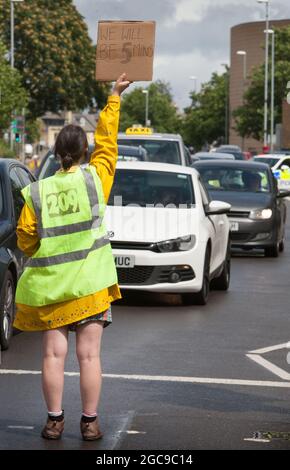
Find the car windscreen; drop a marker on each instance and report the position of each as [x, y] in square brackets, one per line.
[163, 151]
[235, 179]
[154, 188]
[270, 161]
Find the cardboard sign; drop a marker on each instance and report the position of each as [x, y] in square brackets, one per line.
[125, 46]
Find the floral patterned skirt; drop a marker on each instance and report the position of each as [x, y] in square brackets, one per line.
[105, 317]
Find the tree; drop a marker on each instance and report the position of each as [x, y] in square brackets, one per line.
[249, 117]
[204, 119]
[162, 111]
[54, 53]
[13, 97]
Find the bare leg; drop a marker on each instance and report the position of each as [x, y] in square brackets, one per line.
[88, 346]
[55, 345]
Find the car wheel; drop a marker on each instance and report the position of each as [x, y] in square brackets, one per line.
[200, 298]
[272, 251]
[281, 246]
[222, 282]
[7, 310]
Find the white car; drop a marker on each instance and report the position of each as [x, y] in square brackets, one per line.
[165, 233]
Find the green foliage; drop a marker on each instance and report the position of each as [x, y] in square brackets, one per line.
[249, 117]
[161, 110]
[204, 119]
[13, 97]
[54, 54]
[5, 151]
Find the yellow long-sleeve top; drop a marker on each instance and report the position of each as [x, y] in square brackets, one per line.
[104, 159]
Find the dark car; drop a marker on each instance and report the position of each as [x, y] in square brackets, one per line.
[13, 177]
[258, 212]
[232, 149]
[50, 163]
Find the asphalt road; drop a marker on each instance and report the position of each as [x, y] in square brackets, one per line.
[175, 377]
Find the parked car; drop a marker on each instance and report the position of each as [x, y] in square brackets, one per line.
[212, 156]
[167, 236]
[258, 212]
[50, 163]
[163, 148]
[13, 177]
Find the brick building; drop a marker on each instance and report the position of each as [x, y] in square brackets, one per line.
[249, 37]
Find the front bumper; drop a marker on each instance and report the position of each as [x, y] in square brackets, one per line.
[253, 233]
[177, 272]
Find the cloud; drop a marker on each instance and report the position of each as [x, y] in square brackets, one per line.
[191, 35]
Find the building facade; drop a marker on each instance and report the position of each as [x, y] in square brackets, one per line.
[248, 37]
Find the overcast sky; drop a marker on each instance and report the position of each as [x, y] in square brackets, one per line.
[192, 36]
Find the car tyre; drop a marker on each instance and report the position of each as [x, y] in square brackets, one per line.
[7, 310]
[201, 298]
[272, 251]
[281, 246]
[222, 282]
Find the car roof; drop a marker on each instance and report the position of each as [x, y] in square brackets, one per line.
[155, 166]
[155, 135]
[245, 164]
[213, 155]
[274, 155]
[6, 162]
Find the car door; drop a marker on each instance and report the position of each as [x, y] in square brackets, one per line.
[19, 177]
[214, 228]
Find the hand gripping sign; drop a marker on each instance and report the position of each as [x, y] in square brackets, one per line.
[125, 46]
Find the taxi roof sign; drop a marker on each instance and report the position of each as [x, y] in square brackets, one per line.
[139, 131]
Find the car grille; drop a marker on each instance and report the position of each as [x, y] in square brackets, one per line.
[132, 245]
[153, 274]
[239, 214]
[240, 236]
[136, 275]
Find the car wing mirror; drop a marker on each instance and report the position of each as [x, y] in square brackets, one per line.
[217, 207]
[283, 193]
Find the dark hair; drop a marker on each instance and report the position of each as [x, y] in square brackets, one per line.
[71, 145]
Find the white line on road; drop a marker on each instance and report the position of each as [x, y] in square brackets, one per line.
[269, 348]
[166, 378]
[253, 439]
[268, 365]
[21, 427]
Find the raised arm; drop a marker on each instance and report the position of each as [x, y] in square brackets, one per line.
[105, 155]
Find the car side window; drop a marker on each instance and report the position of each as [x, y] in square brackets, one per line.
[187, 156]
[16, 186]
[204, 195]
[285, 162]
[24, 176]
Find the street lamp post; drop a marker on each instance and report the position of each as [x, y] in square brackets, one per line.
[192, 77]
[244, 55]
[146, 93]
[12, 31]
[266, 3]
[272, 33]
[12, 51]
[226, 103]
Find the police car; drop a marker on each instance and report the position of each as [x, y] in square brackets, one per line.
[280, 165]
[163, 148]
[166, 234]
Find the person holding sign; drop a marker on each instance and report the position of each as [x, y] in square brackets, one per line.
[70, 279]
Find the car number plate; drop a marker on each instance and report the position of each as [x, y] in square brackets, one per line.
[234, 226]
[124, 261]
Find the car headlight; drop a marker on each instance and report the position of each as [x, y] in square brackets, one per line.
[261, 214]
[177, 244]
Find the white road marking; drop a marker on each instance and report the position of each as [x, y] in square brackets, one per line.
[21, 427]
[253, 439]
[135, 432]
[165, 378]
[270, 366]
[269, 349]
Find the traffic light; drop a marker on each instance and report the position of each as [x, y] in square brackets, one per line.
[17, 137]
